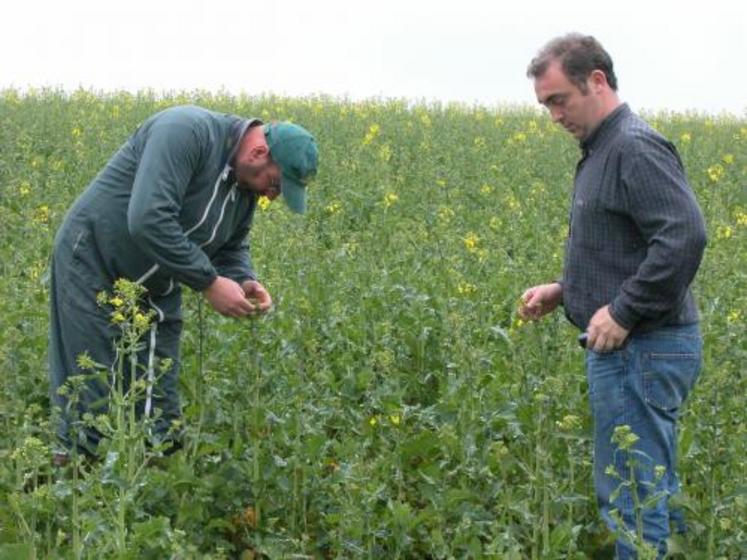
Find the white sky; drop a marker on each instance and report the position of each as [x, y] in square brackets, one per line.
[666, 55]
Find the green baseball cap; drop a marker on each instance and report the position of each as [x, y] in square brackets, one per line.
[294, 149]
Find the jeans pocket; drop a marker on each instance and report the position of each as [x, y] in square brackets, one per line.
[668, 378]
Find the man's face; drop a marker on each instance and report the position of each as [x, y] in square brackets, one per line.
[575, 110]
[256, 172]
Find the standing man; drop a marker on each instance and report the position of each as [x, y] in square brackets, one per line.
[635, 242]
[173, 206]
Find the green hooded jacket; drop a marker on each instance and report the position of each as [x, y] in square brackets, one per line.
[166, 209]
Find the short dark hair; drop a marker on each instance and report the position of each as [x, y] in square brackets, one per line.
[579, 56]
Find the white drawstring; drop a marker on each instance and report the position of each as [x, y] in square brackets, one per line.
[150, 373]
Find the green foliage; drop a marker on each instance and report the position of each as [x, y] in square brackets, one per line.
[392, 405]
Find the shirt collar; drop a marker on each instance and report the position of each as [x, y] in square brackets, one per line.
[609, 122]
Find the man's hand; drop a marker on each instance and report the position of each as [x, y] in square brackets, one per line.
[605, 334]
[258, 296]
[540, 300]
[228, 298]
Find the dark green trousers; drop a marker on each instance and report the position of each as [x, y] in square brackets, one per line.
[78, 325]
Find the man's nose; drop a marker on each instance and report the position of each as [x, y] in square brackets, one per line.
[556, 115]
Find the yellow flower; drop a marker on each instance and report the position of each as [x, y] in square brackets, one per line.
[724, 232]
[37, 269]
[264, 202]
[569, 422]
[441, 182]
[741, 218]
[41, 214]
[686, 138]
[733, 317]
[715, 172]
[373, 421]
[76, 132]
[390, 199]
[373, 132]
[480, 142]
[471, 241]
[728, 159]
[519, 137]
[465, 288]
[486, 189]
[117, 317]
[141, 321]
[333, 208]
[395, 419]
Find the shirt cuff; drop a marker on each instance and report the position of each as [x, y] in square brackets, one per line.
[245, 278]
[623, 314]
[203, 285]
[560, 282]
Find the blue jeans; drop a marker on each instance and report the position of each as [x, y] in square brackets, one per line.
[642, 385]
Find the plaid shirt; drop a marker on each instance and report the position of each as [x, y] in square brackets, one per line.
[636, 234]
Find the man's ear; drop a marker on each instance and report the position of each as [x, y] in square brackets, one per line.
[259, 151]
[598, 79]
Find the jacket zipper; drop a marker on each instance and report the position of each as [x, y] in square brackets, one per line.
[222, 177]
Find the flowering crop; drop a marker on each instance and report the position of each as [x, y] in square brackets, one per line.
[392, 405]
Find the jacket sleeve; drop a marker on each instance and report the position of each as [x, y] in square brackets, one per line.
[665, 211]
[234, 259]
[169, 156]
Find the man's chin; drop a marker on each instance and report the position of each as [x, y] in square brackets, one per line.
[572, 130]
[579, 134]
[247, 186]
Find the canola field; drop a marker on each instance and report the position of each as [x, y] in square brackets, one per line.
[392, 405]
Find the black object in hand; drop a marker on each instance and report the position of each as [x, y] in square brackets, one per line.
[582, 338]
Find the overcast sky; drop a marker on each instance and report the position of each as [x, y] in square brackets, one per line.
[667, 56]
